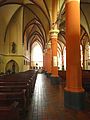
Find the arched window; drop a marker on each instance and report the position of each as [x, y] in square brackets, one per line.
[81, 56]
[36, 55]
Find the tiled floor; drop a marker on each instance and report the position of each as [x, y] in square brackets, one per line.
[47, 103]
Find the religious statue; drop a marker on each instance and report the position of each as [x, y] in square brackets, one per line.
[13, 47]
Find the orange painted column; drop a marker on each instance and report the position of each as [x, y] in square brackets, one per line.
[54, 36]
[73, 90]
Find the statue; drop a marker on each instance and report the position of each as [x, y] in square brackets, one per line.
[13, 47]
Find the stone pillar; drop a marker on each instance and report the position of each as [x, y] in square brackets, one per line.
[74, 93]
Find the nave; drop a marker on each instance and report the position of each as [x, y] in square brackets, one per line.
[48, 103]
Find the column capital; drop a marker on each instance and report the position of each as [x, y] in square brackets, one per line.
[53, 33]
[49, 45]
[67, 1]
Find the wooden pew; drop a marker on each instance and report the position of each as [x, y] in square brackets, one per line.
[22, 76]
[85, 78]
[30, 80]
[9, 111]
[17, 87]
[9, 97]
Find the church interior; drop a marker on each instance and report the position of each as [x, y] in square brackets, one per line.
[44, 60]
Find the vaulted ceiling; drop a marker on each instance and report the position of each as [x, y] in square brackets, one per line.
[37, 18]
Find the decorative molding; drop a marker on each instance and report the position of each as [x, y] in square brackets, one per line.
[14, 55]
[54, 33]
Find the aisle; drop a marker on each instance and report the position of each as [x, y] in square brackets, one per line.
[47, 103]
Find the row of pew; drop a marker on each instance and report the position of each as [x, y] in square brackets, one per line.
[16, 91]
[85, 78]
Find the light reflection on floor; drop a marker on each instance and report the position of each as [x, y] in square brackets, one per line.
[47, 103]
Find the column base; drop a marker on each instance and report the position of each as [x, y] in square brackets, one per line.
[55, 80]
[49, 75]
[74, 100]
[45, 72]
